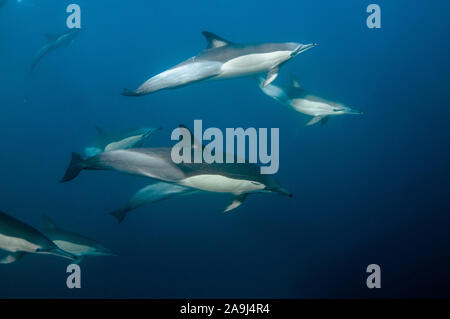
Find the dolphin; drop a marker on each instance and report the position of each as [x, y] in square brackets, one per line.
[297, 98]
[151, 194]
[18, 238]
[109, 142]
[54, 42]
[238, 179]
[224, 59]
[72, 243]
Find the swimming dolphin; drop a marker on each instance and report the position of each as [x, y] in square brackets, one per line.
[109, 142]
[224, 59]
[53, 42]
[151, 194]
[297, 98]
[238, 179]
[18, 238]
[72, 243]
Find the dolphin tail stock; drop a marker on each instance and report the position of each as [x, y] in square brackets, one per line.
[77, 164]
[127, 92]
[119, 214]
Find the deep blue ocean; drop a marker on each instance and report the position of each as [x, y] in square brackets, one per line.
[369, 189]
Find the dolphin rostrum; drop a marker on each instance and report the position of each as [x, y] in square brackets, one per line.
[72, 243]
[151, 194]
[109, 142]
[297, 98]
[224, 59]
[18, 238]
[54, 42]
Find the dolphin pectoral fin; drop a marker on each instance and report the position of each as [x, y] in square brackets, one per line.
[235, 202]
[314, 120]
[51, 37]
[271, 76]
[294, 81]
[10, 257]
[324, 121]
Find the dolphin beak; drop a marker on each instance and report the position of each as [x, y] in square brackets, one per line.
[62, 253]
[107, 252]
[302, 48]
[352, 111]
[282, 191]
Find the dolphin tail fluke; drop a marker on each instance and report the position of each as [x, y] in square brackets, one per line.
[75, 167]
[119, 214]
[127, 92]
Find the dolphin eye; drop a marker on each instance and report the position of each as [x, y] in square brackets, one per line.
[255, 183]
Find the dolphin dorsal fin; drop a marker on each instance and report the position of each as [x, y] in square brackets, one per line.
[48, 222]
[194, 140]
[294, 81]
[214, 41]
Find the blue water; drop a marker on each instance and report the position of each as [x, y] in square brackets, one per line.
[367, 189]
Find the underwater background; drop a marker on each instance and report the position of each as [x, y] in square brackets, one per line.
[367, 189]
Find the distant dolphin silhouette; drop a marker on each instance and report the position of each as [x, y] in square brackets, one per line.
[224, 59]
[54, 42]
[18, 238]
[297, 98]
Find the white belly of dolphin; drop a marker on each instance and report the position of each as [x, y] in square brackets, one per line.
[14, 244]
[253, 63]
[128, 142]
[313, 108]
[222, 184]
[72, 248]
